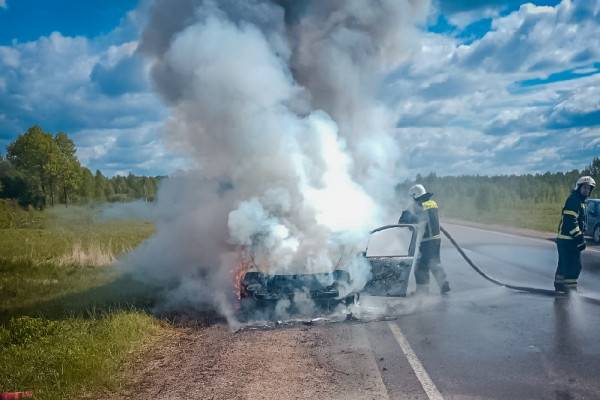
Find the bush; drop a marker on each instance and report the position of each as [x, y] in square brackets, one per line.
[23, 331]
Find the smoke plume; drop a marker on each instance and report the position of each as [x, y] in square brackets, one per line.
[277, 104]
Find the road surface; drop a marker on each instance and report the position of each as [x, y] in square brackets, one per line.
[479, 342]
[488, 342]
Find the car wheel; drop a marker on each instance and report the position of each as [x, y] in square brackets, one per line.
[597, 234]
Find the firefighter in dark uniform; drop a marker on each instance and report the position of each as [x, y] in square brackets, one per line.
[570, 241]
[424, 212]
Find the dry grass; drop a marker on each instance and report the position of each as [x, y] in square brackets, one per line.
[90, 255]
[66, 326]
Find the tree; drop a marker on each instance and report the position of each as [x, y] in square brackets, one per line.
[87, 187]
[46, 161]
[69, 169]
[15, 185]
[53, 171]
[41, 168]
[99, 186]
[109, 190]
[31, 153]
[593, 169]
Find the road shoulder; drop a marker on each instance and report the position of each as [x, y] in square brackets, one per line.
[300, 362]
[503, 229]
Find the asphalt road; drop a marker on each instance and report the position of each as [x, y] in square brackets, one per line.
[488, 342]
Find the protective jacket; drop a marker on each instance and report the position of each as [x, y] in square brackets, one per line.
[426, 212]
[573, 220]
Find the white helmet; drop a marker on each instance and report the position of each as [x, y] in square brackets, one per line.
[417, 191]
[585, 180]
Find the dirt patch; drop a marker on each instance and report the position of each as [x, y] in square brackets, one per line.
[214, 363]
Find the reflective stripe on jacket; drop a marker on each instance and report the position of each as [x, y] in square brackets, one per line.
[425, 213]
[572, 222]
[432, 228]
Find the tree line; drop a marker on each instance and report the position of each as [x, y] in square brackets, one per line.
[42, 169]
[487, 193]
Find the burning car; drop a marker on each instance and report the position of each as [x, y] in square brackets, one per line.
[390, 254]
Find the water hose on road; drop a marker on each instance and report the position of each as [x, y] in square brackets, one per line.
[546, 292]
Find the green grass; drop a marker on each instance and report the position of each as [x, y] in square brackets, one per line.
[67, 324]
[55, 235]
[64, 358]
[25, 283]
[539, 217]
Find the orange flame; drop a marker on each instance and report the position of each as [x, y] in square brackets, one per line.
[239, 271]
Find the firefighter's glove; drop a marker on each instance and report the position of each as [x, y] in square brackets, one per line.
[581, 246]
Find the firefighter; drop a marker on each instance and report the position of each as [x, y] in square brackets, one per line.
[570, 241]
[424, 212]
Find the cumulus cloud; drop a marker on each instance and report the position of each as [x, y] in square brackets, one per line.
[462, 13]
[118, 151]
[3, 4]
[121, 71]
[95, 90]
[519, 88]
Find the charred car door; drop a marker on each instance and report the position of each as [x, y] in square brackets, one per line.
[392, 251]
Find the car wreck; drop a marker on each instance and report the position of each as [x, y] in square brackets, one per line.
[390, 254]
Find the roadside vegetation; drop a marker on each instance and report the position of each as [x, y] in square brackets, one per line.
[41, 169]
[523, 201]
[70, 322]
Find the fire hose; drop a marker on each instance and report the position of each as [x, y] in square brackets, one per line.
[546, 292]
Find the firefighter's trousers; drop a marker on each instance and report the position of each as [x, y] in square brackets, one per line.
[429, 261]
[569, 265]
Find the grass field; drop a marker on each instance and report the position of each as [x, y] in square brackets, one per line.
[540, 217]
[69, 321]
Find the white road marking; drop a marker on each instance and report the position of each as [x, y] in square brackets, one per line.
[428, 386]
[373, 378]
[512, 235]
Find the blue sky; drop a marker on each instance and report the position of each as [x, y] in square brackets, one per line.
[491, 87]
[27, 20]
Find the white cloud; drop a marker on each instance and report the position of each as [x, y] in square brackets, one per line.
[9, 57]
[87, 89]
[537, 39]
[582, 100]
[462, 108]
[125, 149]
[3, 4]
[462, 19]
[544, 155]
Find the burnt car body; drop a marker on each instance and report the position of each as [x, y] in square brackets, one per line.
[391, 252]
[261, 291]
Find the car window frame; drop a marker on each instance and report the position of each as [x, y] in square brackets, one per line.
[411, 247]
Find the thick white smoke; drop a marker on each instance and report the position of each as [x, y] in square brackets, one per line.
[276, 101]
